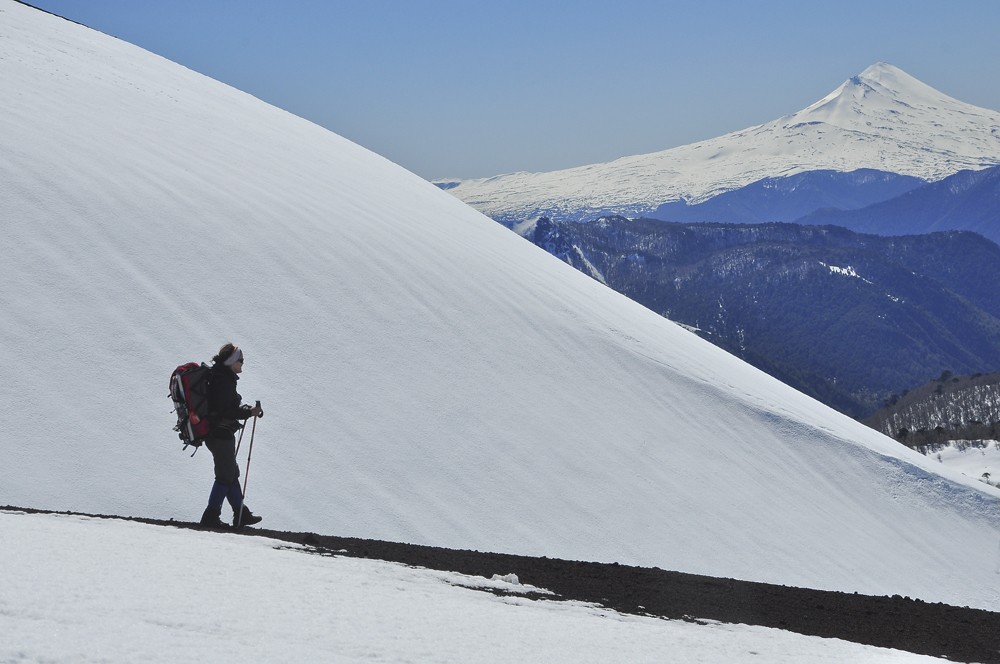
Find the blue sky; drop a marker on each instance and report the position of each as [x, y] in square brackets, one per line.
[473, 89]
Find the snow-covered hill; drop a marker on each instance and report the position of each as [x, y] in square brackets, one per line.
[881, 119]
[178, 596]
[976, 459]
[427, 375]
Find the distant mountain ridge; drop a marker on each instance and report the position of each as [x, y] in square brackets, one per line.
[864, 201]
[791, 197]
[968, 200]
[846, 318]
[882, 119]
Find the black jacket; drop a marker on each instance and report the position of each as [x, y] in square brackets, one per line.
[225, 405]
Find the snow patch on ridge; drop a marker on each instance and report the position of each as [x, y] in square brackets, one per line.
[848, 271]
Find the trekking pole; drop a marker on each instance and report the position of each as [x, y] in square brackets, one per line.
[240, 441]
[246, 474]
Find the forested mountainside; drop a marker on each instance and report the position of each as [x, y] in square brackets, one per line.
[849, 319]
[947, 408]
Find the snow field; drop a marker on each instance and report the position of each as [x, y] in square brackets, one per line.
[93, 590]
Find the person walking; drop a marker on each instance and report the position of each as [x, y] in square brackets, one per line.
[227, 414]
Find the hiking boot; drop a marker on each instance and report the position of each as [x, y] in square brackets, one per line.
[249, 518]
[211, 518]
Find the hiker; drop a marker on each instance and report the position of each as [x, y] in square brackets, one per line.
[227, 413]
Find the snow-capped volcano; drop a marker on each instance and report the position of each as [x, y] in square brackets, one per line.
[882, 119]
[428, 376]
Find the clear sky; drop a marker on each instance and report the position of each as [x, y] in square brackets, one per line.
[473, 89]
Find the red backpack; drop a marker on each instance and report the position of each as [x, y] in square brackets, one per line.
[189, 392]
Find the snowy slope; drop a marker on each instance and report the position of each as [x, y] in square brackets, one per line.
[882, 119]
[971, 459]
[427, 375]
[247, 601]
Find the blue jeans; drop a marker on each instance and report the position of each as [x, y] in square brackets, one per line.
[222, 445]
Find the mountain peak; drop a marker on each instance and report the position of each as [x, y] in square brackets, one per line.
[893, 80]
[882, 119]
[883, 71]
[881, 91]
